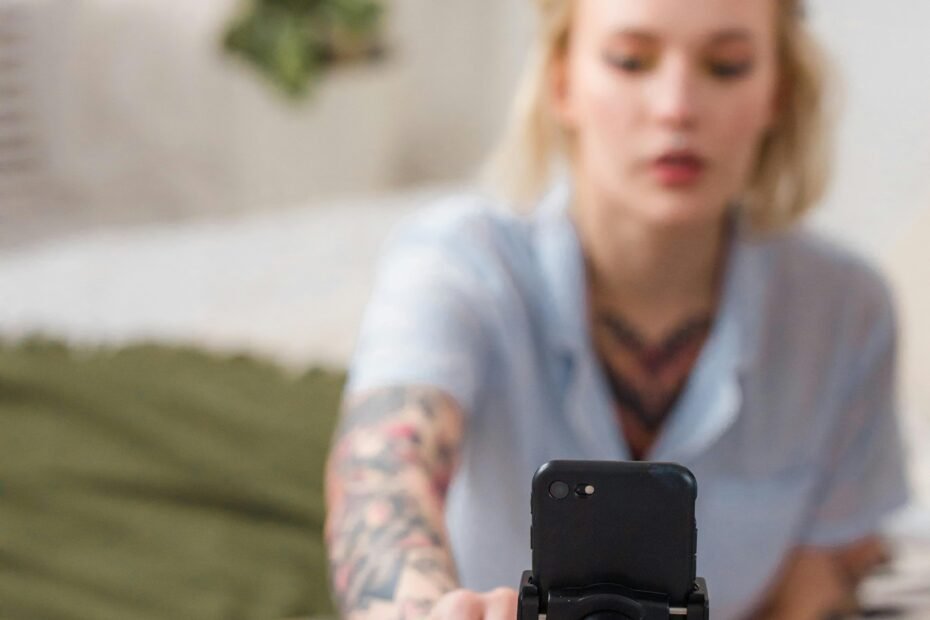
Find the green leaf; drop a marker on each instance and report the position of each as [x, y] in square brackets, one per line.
[292, 42]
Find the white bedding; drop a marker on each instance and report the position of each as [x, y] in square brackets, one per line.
[288, 285]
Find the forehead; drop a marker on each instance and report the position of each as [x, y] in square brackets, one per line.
[687, 21]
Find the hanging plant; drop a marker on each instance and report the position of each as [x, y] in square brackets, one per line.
[293, 42]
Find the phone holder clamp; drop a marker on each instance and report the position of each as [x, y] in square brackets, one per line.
[608, 602]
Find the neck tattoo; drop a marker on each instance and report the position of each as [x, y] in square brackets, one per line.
[647, 379]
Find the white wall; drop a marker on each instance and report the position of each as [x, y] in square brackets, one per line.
[462, 59]
[143, 118]
[882, 183]
[908, 264]
[139, 105]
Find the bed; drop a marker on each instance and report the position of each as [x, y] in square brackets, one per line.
[167, 395]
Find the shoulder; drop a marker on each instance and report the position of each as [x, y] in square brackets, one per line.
[468, 232]
[829, 291]
[824, 329]
[804, 251]
[468, 216]
[821, 270]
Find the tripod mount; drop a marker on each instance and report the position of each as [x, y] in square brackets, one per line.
[608, 602]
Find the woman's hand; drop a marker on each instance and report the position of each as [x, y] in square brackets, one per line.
[499, 604]
[819, 582]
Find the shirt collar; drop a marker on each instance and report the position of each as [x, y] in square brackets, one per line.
[713, 395]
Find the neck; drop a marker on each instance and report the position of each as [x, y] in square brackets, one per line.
[648, 269]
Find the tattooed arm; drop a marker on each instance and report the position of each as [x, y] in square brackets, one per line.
[392, 458]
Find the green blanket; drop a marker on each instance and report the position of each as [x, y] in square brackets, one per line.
[158, 483]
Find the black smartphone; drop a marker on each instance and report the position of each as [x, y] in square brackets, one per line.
[612, 522]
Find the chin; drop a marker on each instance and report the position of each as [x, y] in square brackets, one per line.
[683, 210]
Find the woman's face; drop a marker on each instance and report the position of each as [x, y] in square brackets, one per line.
[668, 100]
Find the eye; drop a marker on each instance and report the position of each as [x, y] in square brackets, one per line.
[729, 70]
[629, 63]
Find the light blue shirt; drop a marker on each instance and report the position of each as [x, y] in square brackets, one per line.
[787, 420]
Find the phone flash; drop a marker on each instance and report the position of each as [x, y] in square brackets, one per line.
[585, 490]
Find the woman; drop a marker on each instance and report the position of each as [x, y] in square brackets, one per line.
[657, 303]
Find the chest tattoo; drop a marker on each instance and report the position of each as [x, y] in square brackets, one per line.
[646, 379]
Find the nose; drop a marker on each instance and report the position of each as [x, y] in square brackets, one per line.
[674, 94]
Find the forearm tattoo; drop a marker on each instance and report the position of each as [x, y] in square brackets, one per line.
[392, 460]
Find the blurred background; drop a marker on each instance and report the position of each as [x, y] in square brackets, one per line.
[192, 198]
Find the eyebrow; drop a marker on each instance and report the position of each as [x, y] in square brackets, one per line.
[722, 36]
[634, 33]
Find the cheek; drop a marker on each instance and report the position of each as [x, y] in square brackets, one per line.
[738, 134]
[741, 123]
[607, 116]
[741, 129]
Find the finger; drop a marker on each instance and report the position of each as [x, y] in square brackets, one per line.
[501, 604]
[459, 605]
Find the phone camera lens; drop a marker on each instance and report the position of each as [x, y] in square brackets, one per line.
[558, 489]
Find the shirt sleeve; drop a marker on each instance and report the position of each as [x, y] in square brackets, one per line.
[423, 324]
[864, 477]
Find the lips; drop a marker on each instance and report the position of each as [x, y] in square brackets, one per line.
[678, 168]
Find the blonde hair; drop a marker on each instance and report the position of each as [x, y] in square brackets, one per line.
[792, 168]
